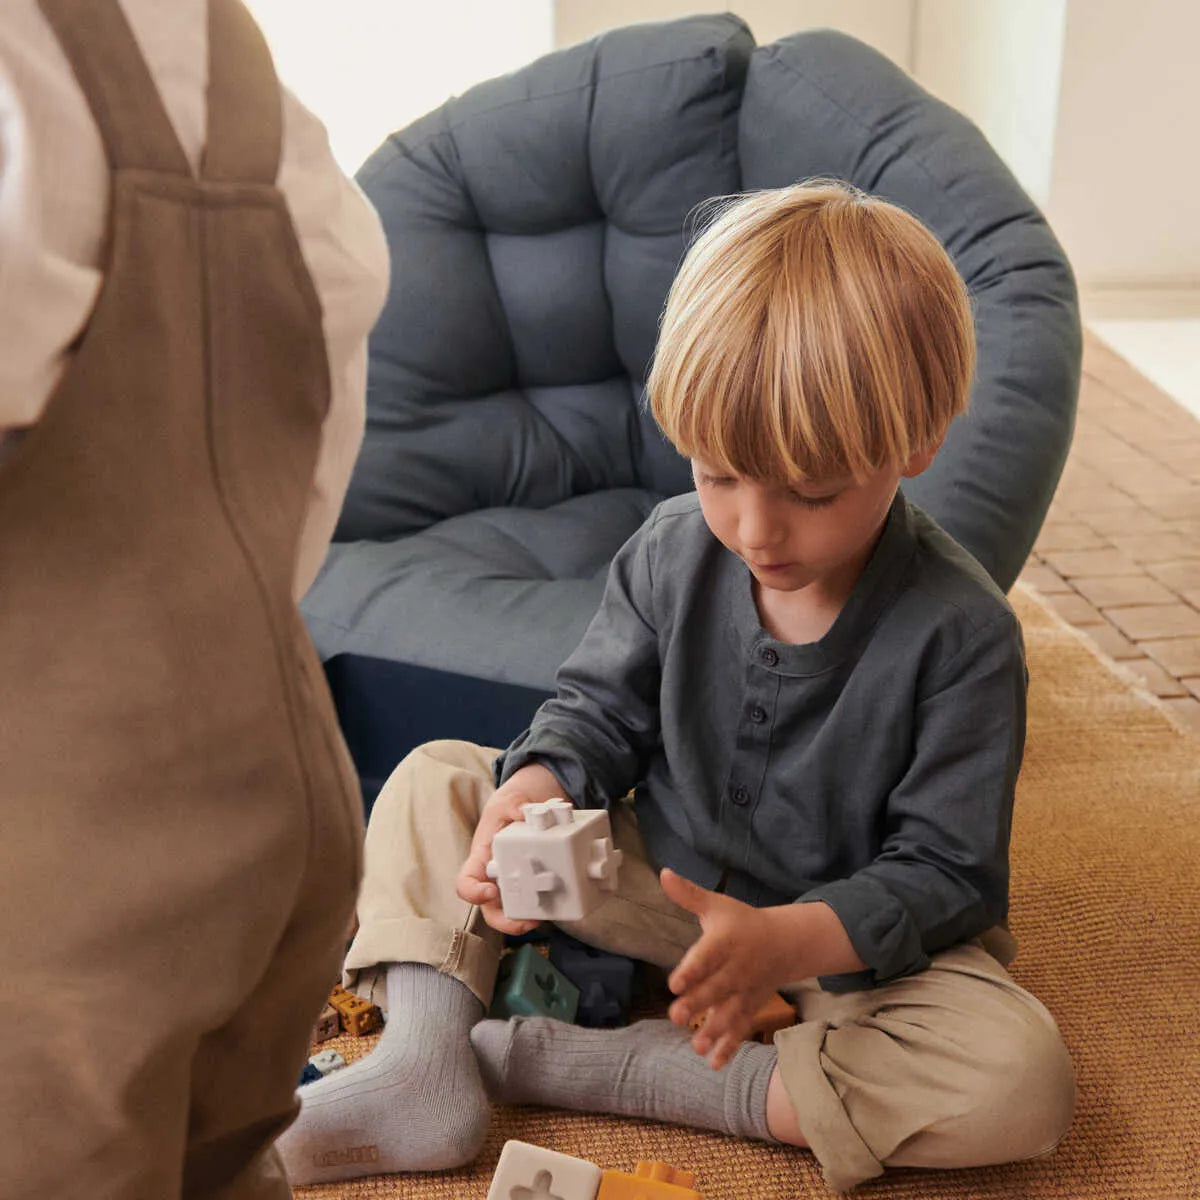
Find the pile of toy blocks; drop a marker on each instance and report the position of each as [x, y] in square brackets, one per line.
[527, 1172]
[345, 1013]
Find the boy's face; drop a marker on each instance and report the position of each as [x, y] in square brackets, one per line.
[791, 537]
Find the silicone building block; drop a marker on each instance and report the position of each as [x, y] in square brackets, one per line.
[358, 1016]
[326, 1061]
[309, 1074]
[556, 865]
[775, 1015]
[605, 981]
[650, 1181]
[327, 1026]
[529, 985]
[527, 1172]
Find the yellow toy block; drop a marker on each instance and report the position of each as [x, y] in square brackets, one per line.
[358, 1016]
[649, 1181]
[775, 1015]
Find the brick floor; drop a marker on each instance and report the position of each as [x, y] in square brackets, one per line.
[1119, 554]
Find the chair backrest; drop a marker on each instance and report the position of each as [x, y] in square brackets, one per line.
[536, 223]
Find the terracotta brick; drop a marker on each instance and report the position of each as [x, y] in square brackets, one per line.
[1069, 535]
[1071, 563]
[1160, 682]
[1154, 547]
[1074, 608]
[1186, 712]
[1142, 621]
[1108, 591]
[1114, 643]
[1045, 579]
[1175, 505]
[1179, 576]
[1132, 520]
[1181, 656]
[1103, 497]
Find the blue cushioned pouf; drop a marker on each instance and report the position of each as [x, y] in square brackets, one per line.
[535, 225]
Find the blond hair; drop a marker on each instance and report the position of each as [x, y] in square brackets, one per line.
[812, 331]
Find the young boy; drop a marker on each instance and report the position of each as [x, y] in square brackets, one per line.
[804, 705]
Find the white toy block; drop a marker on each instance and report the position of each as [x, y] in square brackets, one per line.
[527, 1172]
[556, 865]
[327, 1060]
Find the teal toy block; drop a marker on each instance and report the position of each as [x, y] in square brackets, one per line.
[530, 985]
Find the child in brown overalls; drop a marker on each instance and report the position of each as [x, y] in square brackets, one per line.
[182, 838]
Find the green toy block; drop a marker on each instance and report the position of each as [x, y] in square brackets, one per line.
[530, 985]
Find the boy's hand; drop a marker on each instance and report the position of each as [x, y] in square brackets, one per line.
[739, 961]
[530, 785]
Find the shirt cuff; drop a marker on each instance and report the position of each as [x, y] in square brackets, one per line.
[881, 930]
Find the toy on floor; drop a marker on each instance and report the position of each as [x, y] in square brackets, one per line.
[529, 985]
[527, 1172]
[558, 864]
[775, 1015]
[358, 1016]
[326, 1061]
[649, 1181]
[605, 981]
[328, 1025]
[309, 1074]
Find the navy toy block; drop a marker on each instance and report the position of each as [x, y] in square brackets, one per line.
[605, 980]
[529, 985]
[308, 1074]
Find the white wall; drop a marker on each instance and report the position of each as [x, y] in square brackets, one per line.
[368, 67]
[998, 61]
[1125, 188]
[884, 24]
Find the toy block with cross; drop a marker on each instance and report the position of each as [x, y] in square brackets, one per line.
[529, 985]
[358, 1016]
[527, 1172]
[605, 981]
[557, 864]
[649, 1181]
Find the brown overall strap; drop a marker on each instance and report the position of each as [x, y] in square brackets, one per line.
[101, 48]
[245, 114]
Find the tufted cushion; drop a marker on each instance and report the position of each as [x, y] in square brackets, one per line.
[535, 224]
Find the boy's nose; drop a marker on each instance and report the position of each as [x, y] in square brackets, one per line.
[759, 526]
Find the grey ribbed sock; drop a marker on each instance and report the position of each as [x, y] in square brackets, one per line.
[415, 1103]
[645, 1070]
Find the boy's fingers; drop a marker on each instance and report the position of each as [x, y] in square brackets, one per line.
[684, 892]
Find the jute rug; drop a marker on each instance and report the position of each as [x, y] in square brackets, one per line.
[1106, 906]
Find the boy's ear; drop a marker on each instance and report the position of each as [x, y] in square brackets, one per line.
[920, 461]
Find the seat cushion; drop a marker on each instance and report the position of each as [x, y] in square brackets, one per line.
[501, 594]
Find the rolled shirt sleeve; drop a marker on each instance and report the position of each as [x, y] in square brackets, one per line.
[598, 731]
[941, 875]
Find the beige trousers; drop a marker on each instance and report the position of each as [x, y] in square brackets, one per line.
[953, 1067]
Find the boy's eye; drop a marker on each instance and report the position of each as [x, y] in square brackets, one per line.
[716, 480]
[813, 501]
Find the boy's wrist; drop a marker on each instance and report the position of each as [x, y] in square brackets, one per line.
[813, 941]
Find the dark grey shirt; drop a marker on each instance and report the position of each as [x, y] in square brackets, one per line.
[874, 769]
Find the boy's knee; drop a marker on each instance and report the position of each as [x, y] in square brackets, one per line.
[1026, 1099]
[1037, 1098]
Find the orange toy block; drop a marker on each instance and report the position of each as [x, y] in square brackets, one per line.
[649, 1181]
[358, 1016]
[775, 1015]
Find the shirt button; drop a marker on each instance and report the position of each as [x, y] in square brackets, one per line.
[741, 795]
[769, 656]
[758, 715]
